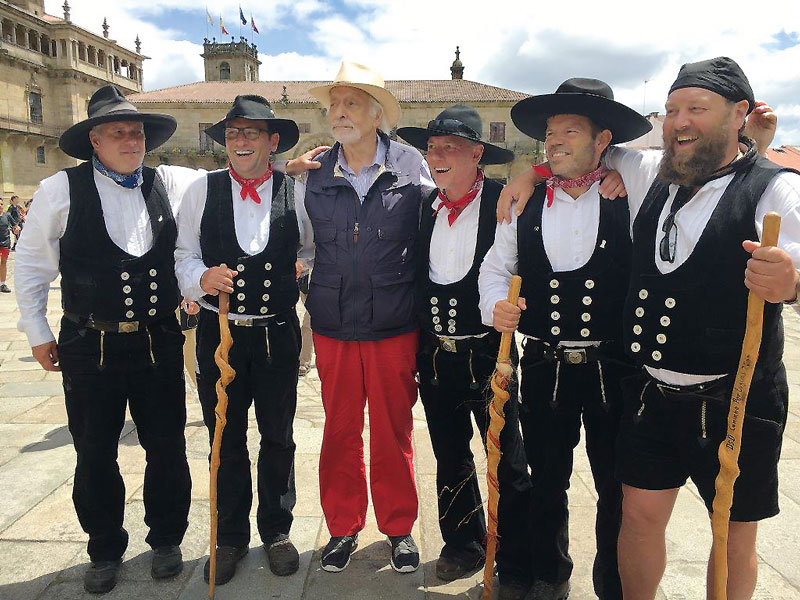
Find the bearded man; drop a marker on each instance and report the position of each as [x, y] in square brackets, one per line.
[363, 204]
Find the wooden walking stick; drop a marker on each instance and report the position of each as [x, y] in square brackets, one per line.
[500, 378]
[731, 445]
[226, 375]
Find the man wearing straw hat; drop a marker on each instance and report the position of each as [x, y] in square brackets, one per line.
[458, 353]
[572, 248]
[364, 205]
[107, 226]
[244, 217]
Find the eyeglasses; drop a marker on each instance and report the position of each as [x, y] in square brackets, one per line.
[668, 244]
[251, 133]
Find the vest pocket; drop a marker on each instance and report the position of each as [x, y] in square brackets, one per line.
[325, 245]
[323, 302]
[392, 299]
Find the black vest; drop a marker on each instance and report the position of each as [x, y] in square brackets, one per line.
[266, 282]
[692, 320]
[101, 280]
[583, 304]
[452, 309]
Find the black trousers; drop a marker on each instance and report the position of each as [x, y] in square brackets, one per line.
[266, 363]
[551, 429]
[102, 375]
[450, 405]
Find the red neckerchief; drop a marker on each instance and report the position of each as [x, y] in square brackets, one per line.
[554, 181]
[249, 185]
[456, 207]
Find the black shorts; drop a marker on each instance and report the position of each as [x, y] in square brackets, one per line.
[664, 440]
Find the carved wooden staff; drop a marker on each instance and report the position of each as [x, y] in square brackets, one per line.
[500, 378]
[731, 445]
[226, 375]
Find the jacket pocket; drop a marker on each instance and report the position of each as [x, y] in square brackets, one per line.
[325, 246]
[323, 302]
[392, 299]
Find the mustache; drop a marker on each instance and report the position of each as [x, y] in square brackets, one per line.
[343, 122]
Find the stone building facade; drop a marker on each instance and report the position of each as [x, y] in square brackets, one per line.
[49, 67]
[198, 105]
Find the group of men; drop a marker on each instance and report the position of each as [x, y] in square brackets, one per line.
[410, 279]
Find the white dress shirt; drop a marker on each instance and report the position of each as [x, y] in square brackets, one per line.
[569, 233]
[452, 249]
[251, 222]
[639, 169]
[126, 219]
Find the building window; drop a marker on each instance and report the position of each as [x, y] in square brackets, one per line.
[206, 143]
[35, 104]
[224, 71]
[304, 127]
[497, 131]
[40, 156]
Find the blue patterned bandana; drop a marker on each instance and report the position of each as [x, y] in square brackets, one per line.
[127, 181]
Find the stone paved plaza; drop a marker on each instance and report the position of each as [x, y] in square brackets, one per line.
[43, 550]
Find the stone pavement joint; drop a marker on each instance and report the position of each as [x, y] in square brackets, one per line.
[44, 548]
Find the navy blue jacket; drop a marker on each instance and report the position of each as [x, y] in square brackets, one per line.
[362, 284]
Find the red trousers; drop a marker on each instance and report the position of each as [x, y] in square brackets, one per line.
[352, 372]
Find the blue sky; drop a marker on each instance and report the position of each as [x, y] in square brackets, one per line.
[508, 43]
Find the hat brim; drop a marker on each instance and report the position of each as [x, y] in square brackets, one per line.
[530, 115]
[157, 130]
[288, 130]
[384, 97]
[418, 137]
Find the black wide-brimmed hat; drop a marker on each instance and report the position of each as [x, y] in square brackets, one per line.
[108, 104]
[580, 96]
[461, 121]
[256, 108]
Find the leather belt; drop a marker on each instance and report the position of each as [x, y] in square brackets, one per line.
[107, 326]
[569, 356]
[248, 321]
[457, 345]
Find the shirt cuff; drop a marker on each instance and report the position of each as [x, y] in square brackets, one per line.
[38, 331]
[195, 292]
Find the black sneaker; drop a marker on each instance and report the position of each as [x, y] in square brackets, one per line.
[405, 554]
[101, 576]
[336, 554]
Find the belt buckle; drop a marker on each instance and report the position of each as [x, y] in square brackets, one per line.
[248, 322]
[447, 344]
[575, 357]
[127, 326]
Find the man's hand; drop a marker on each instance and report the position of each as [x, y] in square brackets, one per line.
[305, 162]
[612, 186]
[217, 279]
[189, 307]
[761, 125]
[15, 230]
[299, 267]
[47, 355]
[505, 316]
[770, 273]
[518, 189]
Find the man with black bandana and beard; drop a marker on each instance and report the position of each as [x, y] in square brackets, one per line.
[699, 207]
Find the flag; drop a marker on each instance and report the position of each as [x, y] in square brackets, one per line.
[241, 16]
[222, 27]
[208, 16]
[253, 24]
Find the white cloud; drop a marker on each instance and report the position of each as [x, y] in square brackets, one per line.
[520, 45]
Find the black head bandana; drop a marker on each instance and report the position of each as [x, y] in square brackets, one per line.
[721, 75]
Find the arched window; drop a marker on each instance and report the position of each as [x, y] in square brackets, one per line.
[224, 71]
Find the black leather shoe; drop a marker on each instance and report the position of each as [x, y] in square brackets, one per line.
[450, 568]
[282, 556]
[544, 590]
[512, 591]
[167, 562]
[101, 576]
[227, 559]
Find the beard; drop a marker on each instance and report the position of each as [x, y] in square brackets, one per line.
[346, 136]
[693, 168]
